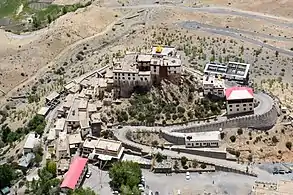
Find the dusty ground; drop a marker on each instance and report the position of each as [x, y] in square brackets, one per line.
[27, 54]
[279, 8]
[260, 145]
[211, 35]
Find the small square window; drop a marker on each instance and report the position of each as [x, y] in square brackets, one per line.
[141, 78]
[237, 109]
[145, 79]
[244, 104]
[250, 108]
[123, 78]
[128, 74]
[174, 72]
[244, 109]
[128, 78]
[230, 106]
[122, 74]
[237, 105]
[230, 110]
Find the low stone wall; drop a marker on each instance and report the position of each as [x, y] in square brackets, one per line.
[264, 121]
[172, 138]
[211, 154]
[228, 169]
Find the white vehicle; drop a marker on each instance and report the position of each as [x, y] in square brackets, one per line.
[89, 173]
[141, 187]
[187, 176]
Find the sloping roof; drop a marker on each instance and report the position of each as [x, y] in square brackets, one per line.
[5, 190]
[236, 93]
[53, 96]
[43, 111]
[74, 172]
[25, 160]
[30, 141]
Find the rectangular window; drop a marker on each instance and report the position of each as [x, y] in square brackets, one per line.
[128, 74]
[250, 104]
[123, 78]
[115, 77]
[155, 69]
[237, 105]
[141, 78]
[244, 109]
[230, 110]
[145, 79]
[237, 109]
[128, 78]
[230, 106]
[133, 78]
[250, 108]
[244, 104]
[174, 72]
[115, 74]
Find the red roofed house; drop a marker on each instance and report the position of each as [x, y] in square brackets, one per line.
[75, 174]
[239, 100]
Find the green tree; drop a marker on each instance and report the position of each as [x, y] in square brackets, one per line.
[183, 160]
[37, 124]
[46, 185]
[233, 138]
[49, 18]
[275, 139]
[7, 174]
[64, 10]
[36, 22]
[38, 159]
[125, 173]
[83, 191]
[239, 131]
[5, 132]
[51, 167]
[289, 145]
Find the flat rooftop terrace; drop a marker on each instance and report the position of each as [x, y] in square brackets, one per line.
[231, 69]
[126, 64]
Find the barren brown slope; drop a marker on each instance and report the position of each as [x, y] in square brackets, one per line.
[275, 7]
[25, 56]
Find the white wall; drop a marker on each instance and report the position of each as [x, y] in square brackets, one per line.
[238, 108]
[174, 70]
[217, 92]
[201, 144]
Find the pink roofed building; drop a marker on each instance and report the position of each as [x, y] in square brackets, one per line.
[239, 100]
[75, 174]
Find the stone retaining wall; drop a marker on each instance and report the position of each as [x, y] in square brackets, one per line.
[211, 154]
[264, 121]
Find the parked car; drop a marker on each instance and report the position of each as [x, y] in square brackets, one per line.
[141, 187]
[89, 173]
[187, 176]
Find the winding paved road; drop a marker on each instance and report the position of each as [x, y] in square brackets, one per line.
[120, 134]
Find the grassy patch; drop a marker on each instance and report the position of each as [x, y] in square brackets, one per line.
[41, 17]
[8, 7]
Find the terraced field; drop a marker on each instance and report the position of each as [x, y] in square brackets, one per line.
[26, 15]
